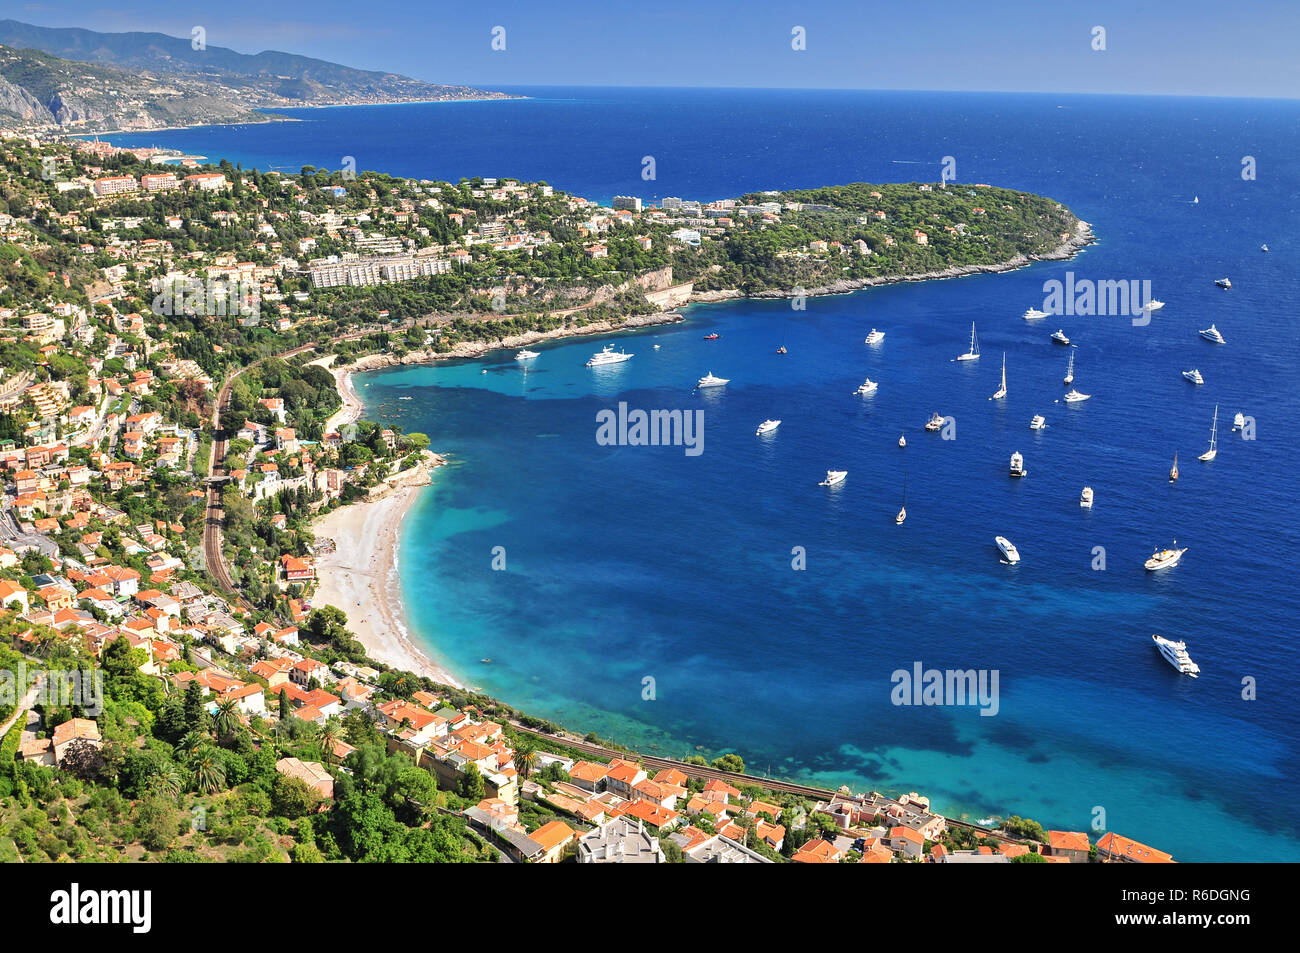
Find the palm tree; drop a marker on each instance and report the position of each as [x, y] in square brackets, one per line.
[209, 774]
[526, 759]
[191, 743]
[328, 736]
[166, 780]
[226, 719]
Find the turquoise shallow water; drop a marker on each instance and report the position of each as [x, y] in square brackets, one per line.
[630, 562]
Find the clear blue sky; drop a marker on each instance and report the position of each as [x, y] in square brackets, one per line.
[1180, 47]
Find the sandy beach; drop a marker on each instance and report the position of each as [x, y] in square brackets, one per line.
[360, 577]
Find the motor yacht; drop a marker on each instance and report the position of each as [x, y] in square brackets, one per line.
[1194, 376]
[834, 477]
[607, 355]
[1059, 337]
[708, 380]
[1165, 558]
[767, 426]
[1085, 498]
[1018, 465]
[1175, 654]
[875, 337]
[1008, 549]
[1212, 335]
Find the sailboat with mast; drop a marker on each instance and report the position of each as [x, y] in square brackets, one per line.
[1002, 391]
[1069, 369]
[974, 353]
[1173, 471]
[902, 510]
[1213, 452]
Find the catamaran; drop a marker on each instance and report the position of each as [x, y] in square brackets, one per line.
[868, 386]
[1059, 337]
[1008, 549]
[875, 337]
[526, 355]
[1212, 335]
[834, 477]
[934, 423]
[1213, 452]
[1033, 314]
[607, 355]
[767, 426]
[1018, 465]
[1165, 558]
[708, 380]
[1194, 376]
[1085, 498]
[1069, 369]
[974, 353]
[1175, 654]
[1002, 391]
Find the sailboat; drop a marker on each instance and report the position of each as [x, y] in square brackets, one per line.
[902, 510]
[1196, 200]
[974, 353]
[902, 441]
[781, 349]
[1069, 369]
[1002, 391]
[1173, 471]
[1210, 454]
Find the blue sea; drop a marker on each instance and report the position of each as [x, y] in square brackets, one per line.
[654, 597]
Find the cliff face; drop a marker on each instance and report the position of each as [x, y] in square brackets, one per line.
[22, 105]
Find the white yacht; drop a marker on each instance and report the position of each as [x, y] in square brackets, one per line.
[708, 380]
[1165, 558]
[934, 423]
[875, 337]
[1194, 376]
[766, 426]
[1008, 549]
[1085, 498]
[1154, 304]
[1239, 421]
[1002, 390]
[1263, 247]
[1018, 465]
[1038, 423]
[1212, 335]
[1059, 337]
[526, 355]
[1074, 397]
[1213, 452]
[1033, 314]
[834, 477]
[607, 355]
[974, 353]
[1175, 654]
[868, 386]
[1224, 283]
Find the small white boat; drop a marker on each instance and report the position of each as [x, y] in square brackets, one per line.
[1033, 314]
[1153, 305]
[1085, 498]
[656, 347]
[1213, 452]
[1059, 337]
[1074, 397]
[902, 510]
[1212, 335]
[934, 423]
[1002, 390]
[1224, 283]
[1018, 465]
[1173, 471]
[526, 355]
[1175, 654]
[1194, 376]
[1239, 421]
[902, 441]
[834, 477]
[974, 353]
[1263, 247]
[1008, 549]
[1038, 423]
[1196, 200]
[868, 386]
[875, 337]
[708, 380]
[767, 426]
[1165, 558]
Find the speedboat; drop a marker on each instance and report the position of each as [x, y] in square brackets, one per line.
[934, 423]
[1224, 283]
[1008, 549]
[712, 337]
[1033, 314]
[1059, 337]
[1074, 397]
[1165, 558]
[1194, 376]
[1212, 335]
[708, 380]
[607, 355]
[526, 355]
[1085, 498]
[868, 386]
[1018, 465]
[1175, 654]
[766, 426]
[875, 337]
[834, 477]
[1153, 305]
[1038, 423]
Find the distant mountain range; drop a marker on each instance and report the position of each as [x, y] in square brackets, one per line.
[87, 81]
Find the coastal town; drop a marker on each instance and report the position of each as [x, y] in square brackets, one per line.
[196, 667]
